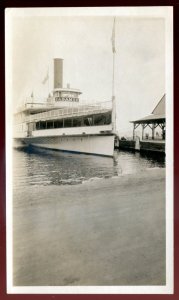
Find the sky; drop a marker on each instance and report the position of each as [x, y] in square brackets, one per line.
[84, 42]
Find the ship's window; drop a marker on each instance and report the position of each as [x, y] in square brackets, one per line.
[88, 121]
[99, 119]
[49, 124]
[102, 119]
[67, 123]
[108, 119]
[42, 125]
[37, 125]
[77, 122]
[58, 124]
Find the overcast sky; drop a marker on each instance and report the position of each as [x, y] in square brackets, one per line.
[85, 45]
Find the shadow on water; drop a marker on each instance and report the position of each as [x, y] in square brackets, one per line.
[154, 157]
[37, 166]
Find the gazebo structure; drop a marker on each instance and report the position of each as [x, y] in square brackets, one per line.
[154, 120]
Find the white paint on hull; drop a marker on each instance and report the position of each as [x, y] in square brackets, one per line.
[71, 131]
[100, 145]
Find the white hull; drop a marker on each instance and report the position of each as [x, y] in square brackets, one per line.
[89, 144]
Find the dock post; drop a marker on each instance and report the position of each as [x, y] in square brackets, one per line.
[142, 131]
[134, 132]
[153, 131]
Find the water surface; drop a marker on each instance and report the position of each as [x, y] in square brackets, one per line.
[47, 167]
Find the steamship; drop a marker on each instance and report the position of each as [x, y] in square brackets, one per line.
[65, 123]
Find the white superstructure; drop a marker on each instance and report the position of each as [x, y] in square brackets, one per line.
[63, 123]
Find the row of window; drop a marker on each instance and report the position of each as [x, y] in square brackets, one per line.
[96, 120]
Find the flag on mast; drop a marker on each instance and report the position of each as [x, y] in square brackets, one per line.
[46, 78]
[113, 37]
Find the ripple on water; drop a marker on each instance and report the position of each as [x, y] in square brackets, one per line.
[57, 168]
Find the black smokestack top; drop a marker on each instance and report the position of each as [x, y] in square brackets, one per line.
[58, 73]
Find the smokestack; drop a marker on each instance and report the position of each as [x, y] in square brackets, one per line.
[58, 73]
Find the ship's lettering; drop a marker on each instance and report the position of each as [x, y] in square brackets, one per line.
[69, 99]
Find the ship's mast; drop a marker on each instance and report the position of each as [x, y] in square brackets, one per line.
[113, 79]
[48, 80]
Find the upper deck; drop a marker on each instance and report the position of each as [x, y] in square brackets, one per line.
[35, 112]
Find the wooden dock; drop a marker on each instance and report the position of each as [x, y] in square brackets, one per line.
[143, 145]
[154, 146]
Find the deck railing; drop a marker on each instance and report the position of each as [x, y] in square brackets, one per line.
[68, 112]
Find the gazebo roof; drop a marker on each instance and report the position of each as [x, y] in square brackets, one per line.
[150, 119]
[157, 115]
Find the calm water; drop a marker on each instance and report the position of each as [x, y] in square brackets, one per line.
[46, 167]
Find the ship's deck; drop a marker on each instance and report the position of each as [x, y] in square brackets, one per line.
[68, 112]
